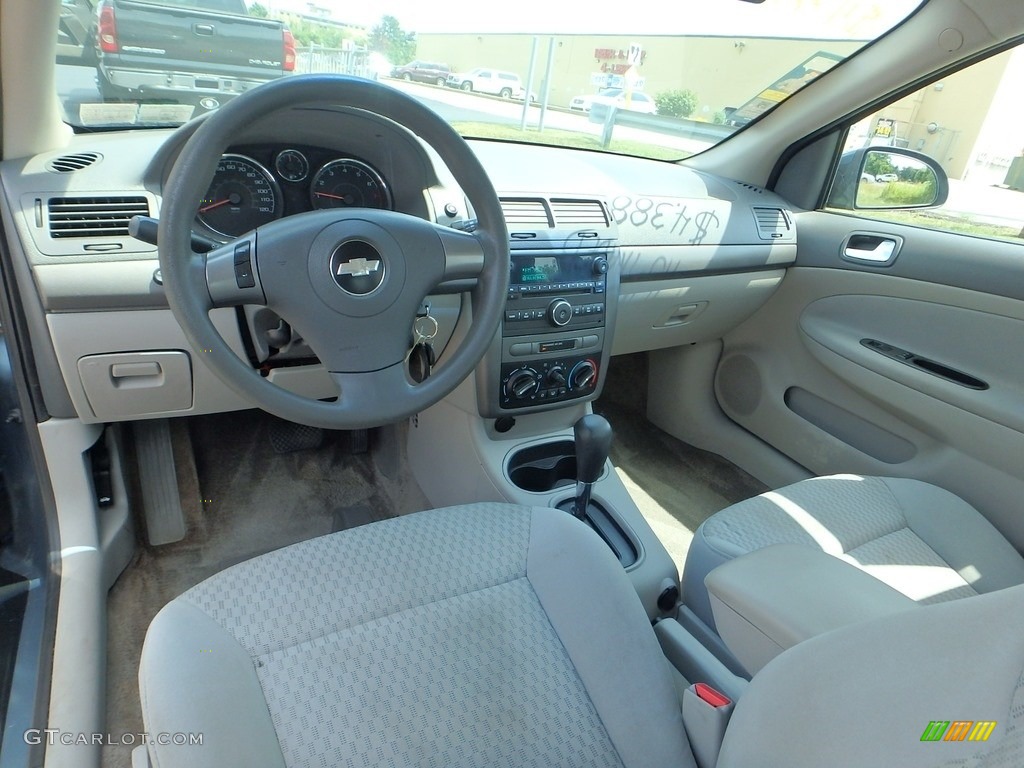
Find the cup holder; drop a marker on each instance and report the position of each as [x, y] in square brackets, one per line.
[544, 467]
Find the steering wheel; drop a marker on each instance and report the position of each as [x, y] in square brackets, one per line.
[349, 281]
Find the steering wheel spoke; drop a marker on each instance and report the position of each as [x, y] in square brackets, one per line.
[232, 274]
[463, 255]
[362, 394]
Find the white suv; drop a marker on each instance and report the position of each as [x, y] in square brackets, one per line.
[504, 84]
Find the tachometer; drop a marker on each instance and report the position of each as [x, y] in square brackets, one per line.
[242, 196]
[349, 183]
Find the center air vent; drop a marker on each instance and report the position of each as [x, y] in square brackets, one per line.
[72, 163]
[94, 216]
[525, 212]
[773, 224]
[579, 213]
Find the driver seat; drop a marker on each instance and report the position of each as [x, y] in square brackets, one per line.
[500, 635]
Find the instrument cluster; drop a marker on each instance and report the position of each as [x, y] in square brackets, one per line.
[255, 185]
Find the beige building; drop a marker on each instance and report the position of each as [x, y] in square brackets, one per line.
[722, 71]
[943, 120]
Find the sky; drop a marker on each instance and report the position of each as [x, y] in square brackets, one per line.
[850, 19]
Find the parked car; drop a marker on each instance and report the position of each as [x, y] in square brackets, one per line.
[156, 50]
[637, 101]
[492, 81]
[423, 72]
[887, 177]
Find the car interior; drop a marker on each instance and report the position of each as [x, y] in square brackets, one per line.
[500, 452]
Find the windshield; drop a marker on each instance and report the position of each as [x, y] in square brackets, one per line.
[682, 76]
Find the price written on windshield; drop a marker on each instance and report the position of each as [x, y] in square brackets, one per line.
[679, 218]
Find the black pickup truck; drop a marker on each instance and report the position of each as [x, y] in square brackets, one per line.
[190, 51]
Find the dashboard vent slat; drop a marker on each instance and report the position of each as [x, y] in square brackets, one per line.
[72, 163]
[772, 223]
[93, 216]
[525, 212]
[579, 213]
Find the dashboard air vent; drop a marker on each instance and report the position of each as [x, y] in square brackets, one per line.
[72, 163]
[584, 213]
[772, 223]
[94, 216]
[525, 212]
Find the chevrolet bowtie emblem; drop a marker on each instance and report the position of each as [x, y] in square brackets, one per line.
[359, 267]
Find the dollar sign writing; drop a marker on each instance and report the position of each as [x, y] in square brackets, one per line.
[703, 220]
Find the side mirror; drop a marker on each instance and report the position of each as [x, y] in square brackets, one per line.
[887, 178]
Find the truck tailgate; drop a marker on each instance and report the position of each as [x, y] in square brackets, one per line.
[217, 43]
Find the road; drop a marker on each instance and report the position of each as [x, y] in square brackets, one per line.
[452, 105]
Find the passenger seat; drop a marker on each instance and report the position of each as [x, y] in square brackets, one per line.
[921, 540]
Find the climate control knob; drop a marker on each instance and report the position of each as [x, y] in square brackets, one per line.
[555, 376]
[522, 383]
[559, 312]
[583, 376]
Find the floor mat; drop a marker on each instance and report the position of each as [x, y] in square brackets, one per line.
[675, 485]
[250, 500]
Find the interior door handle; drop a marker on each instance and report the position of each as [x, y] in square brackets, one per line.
[868, 248]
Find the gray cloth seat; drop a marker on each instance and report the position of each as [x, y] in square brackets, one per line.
[921, 540]
[496, 635]
[489, 634]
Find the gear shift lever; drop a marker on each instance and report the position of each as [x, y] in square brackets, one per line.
[593, 435]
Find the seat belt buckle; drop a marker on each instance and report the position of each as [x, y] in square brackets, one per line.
[706, 714]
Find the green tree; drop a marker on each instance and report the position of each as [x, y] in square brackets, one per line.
[257, 9]
[309, 33]
[878, 163]
[389, 38]
[678, 103]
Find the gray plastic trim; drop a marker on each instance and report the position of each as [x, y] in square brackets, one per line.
[994, 266]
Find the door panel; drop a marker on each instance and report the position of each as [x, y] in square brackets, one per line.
[914, 370]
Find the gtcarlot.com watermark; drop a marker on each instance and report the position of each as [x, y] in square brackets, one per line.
[52, 736]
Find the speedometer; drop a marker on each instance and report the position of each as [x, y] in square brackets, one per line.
[242, 196]
[349, 183]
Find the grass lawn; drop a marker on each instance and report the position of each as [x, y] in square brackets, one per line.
[949, 223]
[565, 139]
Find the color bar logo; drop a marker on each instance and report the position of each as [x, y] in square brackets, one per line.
[958, 730]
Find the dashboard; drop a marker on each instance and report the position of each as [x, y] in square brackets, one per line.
[613, 254]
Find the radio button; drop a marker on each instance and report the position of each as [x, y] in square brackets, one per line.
[560, 312]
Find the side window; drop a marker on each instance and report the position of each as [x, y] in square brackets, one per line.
[970, 125]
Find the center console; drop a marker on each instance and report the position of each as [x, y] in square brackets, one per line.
[559, 311]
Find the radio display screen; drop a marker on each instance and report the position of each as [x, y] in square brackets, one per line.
[538, 270]
[535, 269]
